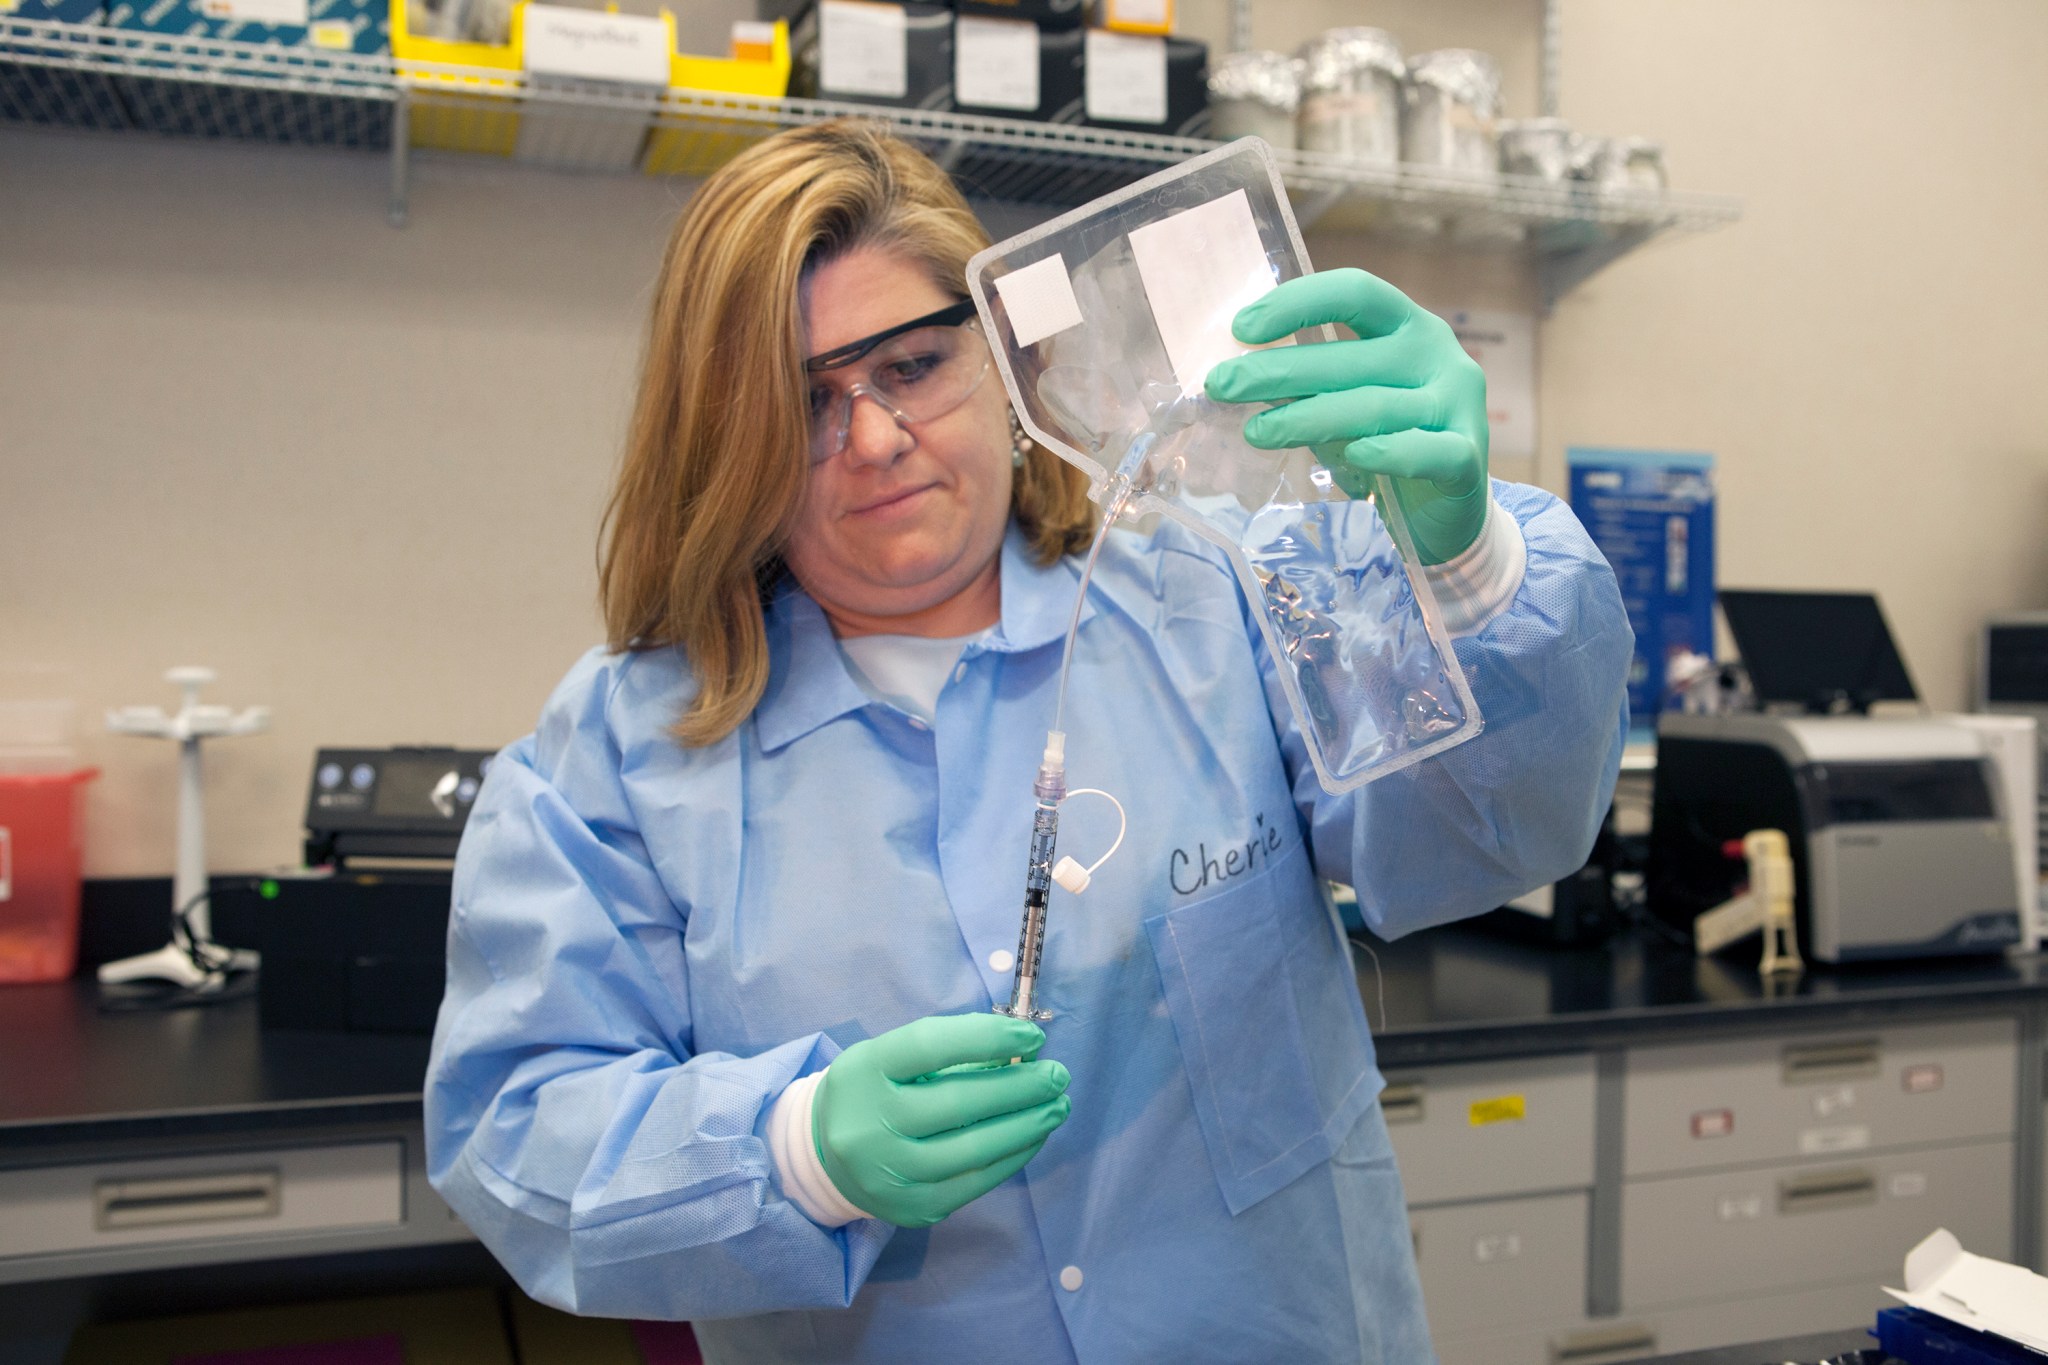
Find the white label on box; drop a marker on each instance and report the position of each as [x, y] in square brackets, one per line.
[600, 47]
[1125, 77]
[280, 12]
[995, 63]
[1199, 267]
[1040, 300]
[864, 49]
[1852, 1137]
[1149, 14]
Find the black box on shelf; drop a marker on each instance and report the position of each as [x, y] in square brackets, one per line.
[991, 78]
[1138, 84]
[1057, 15]
[894, 54]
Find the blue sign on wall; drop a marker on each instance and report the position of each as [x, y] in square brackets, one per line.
[1651, 513]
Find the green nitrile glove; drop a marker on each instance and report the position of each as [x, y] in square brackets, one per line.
[1404, 399]
[910, 1146]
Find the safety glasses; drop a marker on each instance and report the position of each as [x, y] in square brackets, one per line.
[916, 371]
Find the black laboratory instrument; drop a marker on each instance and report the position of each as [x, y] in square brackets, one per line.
[362, 947]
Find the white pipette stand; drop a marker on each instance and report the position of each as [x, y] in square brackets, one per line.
[175, 962]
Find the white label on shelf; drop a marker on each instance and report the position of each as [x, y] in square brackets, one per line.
[1504, 344]
[590, 46]
[1149, 14]
[995, 63]
[1850, 1137]
[280, 12]
[863, 49]
[1040, 300]
[1125, 77]
[1199, 267]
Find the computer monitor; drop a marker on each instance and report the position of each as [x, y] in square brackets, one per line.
[1826, 651]
[2013, 675]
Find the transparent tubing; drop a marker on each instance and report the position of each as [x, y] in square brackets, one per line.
[1050, 788]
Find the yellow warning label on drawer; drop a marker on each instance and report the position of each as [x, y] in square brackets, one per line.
[1499, 1109]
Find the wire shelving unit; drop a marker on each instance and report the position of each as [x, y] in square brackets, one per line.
[90, 77]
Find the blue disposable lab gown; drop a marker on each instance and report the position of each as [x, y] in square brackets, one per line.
[649, 943]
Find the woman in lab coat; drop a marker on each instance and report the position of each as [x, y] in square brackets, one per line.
[728, 923]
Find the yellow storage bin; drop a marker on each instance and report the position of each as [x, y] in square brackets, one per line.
[695, 141]
[468, 111]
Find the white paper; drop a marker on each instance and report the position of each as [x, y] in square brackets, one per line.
[588, 45]
[995, 63]
[865, 49]
[292, 12]
[1199, 268]
[1976, 1291]
[1504, 344]
[1124, 77]
[1040, 300]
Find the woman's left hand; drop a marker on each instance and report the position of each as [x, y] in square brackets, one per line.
[1404, 399]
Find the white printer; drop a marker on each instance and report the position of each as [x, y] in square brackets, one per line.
[1900, 843]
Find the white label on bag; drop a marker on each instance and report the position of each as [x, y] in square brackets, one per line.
[1125, 77]
[1040, 300]
[1199, 267]
[282, 12]
[587, 45]
[995, 63]
[864, 49]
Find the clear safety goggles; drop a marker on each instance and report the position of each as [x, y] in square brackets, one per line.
[917, 370]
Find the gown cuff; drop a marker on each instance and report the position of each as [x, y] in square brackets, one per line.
[797, 1167]
[1480, 583]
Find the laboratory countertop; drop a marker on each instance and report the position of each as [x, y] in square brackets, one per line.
[71, 1074]
[1461, 993]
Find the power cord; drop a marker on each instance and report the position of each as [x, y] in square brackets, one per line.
[222, 983]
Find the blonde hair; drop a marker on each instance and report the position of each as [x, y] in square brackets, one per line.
[717, 454]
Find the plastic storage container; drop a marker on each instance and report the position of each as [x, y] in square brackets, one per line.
[42, 861]
[1254, 94]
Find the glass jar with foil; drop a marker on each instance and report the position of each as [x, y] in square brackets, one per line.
[1255, 94]
[1451, 102]
[1351, 95]
[1540, 148]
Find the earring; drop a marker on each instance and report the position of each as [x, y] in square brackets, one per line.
[1020, 444]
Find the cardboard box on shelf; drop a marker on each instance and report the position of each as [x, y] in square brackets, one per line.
[335, 25]
[1058, 15]
[1146, 85]
[893, 54]
[1011, 69]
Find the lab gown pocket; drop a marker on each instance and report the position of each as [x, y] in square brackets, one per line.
[1231, 966]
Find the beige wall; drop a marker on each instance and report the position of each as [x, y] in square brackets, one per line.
[244, 423]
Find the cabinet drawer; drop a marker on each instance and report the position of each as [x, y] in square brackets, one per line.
[218, 1196]
[1492, 1128]
[1697, 1105]
[1693, 1237]
[1491, 1266]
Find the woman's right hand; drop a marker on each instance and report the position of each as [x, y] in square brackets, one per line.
[908, 1144]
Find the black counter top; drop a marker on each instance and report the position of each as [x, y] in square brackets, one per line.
[1461, 993]
[71, 1073]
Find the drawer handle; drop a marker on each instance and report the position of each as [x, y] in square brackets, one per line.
[1402, 1103]
[1605, 1343]
[168, 1202]
[1823, 1190]
[1816, 1063]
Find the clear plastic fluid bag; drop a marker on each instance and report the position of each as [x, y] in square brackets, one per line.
[1105, 323]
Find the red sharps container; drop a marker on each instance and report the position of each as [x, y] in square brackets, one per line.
[42, 862]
